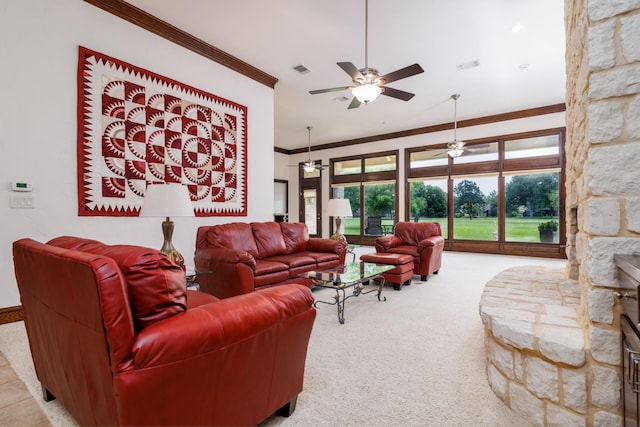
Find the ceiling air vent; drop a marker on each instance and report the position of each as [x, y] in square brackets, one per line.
[468, 65]
[301, 69]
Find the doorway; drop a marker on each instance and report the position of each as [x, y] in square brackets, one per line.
[311, 201]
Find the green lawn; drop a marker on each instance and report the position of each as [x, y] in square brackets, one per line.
[517, 229]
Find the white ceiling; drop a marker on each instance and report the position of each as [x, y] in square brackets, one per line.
[518, 70]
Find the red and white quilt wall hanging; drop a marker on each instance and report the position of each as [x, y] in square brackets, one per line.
[136, 127]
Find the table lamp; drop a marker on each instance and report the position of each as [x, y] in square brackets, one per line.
[167, 200]
[339, 208]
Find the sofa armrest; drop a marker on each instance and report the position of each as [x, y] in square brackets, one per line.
[207, 258]
[384, 243]
[225, 272]
[430, 242]
[319, 244]
[217, 326]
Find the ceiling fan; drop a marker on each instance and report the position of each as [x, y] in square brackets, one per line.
[457, 148]
[367, 82]
[310, 165]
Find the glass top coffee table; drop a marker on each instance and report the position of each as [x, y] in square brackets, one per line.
[353, 275]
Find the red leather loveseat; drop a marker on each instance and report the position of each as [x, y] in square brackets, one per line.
[237, 258]
[118, 339]
[422, 240]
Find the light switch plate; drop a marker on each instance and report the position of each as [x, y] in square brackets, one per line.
[21, 202]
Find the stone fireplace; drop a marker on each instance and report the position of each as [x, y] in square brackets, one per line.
[580, 383]
[602, 178]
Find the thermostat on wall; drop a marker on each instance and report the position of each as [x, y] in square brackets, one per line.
[21, 186]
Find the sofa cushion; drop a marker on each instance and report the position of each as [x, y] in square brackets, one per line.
[296, 236]
[157, 287]
[294, 260]
[235, 235]
[268, 239]
[320, 257]
[267, 267]
[271, 278]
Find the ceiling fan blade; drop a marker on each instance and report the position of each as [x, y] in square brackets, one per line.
[351, 69]
[355, 103]
[397, 93]
[402, 73]
[333, 89]
[316, 166]
[436, 151]
[478, 147]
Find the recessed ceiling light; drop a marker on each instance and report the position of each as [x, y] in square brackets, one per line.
[523, 66]
[517, 28]
[340, 99]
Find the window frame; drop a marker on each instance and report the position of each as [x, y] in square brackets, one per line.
[361, 179]
[501, 166]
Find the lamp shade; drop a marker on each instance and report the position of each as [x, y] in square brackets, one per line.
[339, 207]
[166, 200]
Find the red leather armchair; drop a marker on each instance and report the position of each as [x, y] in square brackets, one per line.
[117, 338]
[422, 240]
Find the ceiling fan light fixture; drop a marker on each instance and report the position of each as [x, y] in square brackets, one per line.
[455, 148]
[309, 167]
[455, 152]
[368, 83]
[367, 92]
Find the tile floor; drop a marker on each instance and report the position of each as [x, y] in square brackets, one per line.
[17, 406]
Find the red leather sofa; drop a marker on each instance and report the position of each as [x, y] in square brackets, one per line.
[118, 339]
[422, 240]
[238, 258]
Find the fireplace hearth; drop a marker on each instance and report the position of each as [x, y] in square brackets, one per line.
[535, 345]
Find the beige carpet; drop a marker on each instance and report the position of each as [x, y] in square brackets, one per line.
[415, 360]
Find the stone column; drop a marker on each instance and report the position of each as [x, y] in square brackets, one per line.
[603, 175]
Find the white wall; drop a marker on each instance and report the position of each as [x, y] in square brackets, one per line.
[548, 121]
[39, 44]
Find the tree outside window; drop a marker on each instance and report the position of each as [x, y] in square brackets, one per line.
[530, 199]
[475, 202]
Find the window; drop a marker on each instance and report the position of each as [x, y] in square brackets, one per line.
[428, 202]
[530, 199]
[497, 192]
[347, 167]
[531, 147]
[370, 184]
[351, 225]
[310, 209]
[475, 203]
[478, 153]
[379, 208]
[428, 158]
[379, 164]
